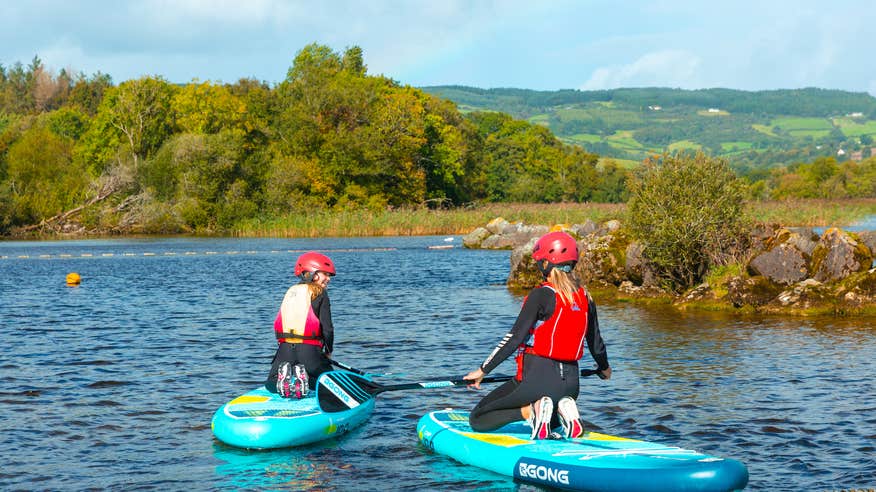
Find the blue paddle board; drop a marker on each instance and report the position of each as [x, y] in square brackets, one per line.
[595, 462]
[260, 419]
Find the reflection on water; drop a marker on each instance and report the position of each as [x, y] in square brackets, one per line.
[122, 374]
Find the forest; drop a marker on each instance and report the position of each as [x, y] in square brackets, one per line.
[151, 156]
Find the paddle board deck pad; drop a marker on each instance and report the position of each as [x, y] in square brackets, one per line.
[260, 419]
[596, 462]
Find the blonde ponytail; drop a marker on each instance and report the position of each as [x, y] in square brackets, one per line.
[565, 283]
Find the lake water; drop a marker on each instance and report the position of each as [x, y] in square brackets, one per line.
[112, 384]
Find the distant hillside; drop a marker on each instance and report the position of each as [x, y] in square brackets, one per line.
[751, 129]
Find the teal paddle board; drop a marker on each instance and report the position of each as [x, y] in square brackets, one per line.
[595, 462]
[260, 419]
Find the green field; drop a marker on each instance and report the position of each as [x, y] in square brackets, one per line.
[852, 128]
[766, 130]
[684, 145]
[735, 146]
[624, 140]
[791, 124]
[585, 137]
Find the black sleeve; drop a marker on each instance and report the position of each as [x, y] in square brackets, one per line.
[323, 309]
[539, 305]
[594, 338]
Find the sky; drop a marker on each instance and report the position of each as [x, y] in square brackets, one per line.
[541, 45]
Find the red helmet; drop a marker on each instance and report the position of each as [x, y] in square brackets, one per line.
[555, 247]
[312, 262]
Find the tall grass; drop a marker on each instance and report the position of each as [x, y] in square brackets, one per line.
[813, 212]
[421, 221]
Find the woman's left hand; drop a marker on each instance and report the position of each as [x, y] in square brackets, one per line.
[477, 375]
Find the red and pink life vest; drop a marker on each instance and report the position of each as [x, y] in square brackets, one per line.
[296, 322]
[560, 337]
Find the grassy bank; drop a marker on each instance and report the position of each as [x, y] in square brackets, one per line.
[813, 213]
[416, 222]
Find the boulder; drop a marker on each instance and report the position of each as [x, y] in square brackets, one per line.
[497, 225]
[783, 264]
[474, 238]
[602, 259]
[869, 240]
[804, 239]
[523, 274]
[839, 255]
[638, 268]
[585, 229]
[754, 291]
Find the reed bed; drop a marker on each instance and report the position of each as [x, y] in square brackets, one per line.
[423, 221]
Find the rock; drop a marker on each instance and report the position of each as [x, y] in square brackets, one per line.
[698, 293]
[869, 240]
[782, 264]
[755, 291]
[839, 255]
[804, 239]
[803, 295]
[632, 290]
[761, 234]
[602, 259]
[523, 274]
[474, 238]
[638, 268]
[585, 229]
[497, 225]
[611, 226]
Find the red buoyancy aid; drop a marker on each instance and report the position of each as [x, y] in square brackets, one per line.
[560, 337]
[296, 322]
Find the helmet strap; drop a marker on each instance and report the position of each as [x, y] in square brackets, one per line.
[306, 277]
[544, 267]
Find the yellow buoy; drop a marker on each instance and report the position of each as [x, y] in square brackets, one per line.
[73, 278]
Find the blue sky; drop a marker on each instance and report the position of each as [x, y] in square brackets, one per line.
[544, 45]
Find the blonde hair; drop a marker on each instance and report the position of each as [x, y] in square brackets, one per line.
[315, 290]
[565, 283]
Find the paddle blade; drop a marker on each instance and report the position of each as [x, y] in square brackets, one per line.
[338, 391]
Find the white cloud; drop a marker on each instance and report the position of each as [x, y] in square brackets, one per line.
[667, 68]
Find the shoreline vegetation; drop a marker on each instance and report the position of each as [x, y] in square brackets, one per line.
[424, 222]
[463, 220]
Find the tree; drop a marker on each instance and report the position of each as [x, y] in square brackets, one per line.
[208, 108]
[42, 178]
[137, 113]
[687, 210]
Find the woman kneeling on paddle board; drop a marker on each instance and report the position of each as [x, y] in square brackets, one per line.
[304, 329]
[549, 334]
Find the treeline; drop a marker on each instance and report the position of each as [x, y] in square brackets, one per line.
[147, 155]
[809, 102]
[151, 156]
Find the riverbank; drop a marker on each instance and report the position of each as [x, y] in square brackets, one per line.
[456, 221]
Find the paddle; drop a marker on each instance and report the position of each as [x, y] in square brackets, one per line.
[337, 391]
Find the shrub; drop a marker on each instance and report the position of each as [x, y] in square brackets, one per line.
[687, 210]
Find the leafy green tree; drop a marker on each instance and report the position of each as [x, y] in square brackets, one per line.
[87, 93]
[687, 210]
[42, 178]
[208, 108]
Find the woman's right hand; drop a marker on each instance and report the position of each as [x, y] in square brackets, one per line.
[477, 375]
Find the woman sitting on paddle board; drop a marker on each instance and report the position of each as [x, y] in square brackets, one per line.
[549, 334]
[304, 329]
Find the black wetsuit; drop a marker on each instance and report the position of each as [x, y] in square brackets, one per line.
[541, 376]
[313, 357]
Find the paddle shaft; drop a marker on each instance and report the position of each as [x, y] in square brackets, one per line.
[455, 382]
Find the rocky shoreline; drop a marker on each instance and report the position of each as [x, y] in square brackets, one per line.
[786, 270]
